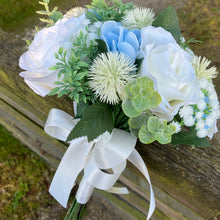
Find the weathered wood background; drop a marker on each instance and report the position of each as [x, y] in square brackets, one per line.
[186, 180]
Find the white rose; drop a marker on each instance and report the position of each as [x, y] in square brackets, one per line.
[152, 37]
[174, 77]
[40, 54]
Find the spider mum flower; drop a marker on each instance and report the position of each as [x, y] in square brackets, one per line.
[109, 74]
[138, 18]
[200, 66]
[74, 12]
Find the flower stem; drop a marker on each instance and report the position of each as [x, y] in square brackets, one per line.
[75, 212]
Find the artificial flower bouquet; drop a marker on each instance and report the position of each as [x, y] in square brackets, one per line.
[131, 76]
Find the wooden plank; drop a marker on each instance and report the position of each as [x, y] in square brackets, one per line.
[31, 134]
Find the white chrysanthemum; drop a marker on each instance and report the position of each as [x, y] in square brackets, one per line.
[201, 104]
[200, 66]
[138, 18]
[74, 12]
[200, 124]
[199, 115]
[189, 121]
[186, 111]
[202, 133]
[177, 125]
[109, 74]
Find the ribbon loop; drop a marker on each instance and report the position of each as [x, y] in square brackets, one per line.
[59, 124]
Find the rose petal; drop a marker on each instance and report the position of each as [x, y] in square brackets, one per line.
[127, 49]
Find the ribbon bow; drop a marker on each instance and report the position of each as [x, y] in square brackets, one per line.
[108, 151]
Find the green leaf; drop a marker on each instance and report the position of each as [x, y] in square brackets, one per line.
[55, 16]
[96, 120]
[58, 83]
[134, 132]
[53, 68]
[42, 12]
[145, 136]
[168, 20]
[141, 103]
[129, 109]
[81, 106]
[79, 76]
[63, 92]
[139, 121]
[91, 16]
[153, 124]
[163, 137]
[102, 47]
[60, 51]
[189, 138]
[54, 91]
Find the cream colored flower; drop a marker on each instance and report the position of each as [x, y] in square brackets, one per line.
[74, 12]
[200, 66]
[109, 74]
[138, 18]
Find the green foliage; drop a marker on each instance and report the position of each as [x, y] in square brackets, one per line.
[185, 45]
[93, 17]
[53, 15]
[168, 20]
[72, 75]
[81, 106]
[102, 47]
[119, 118]
[73, 70]
[189, 137]
[156, 129]
[141, 97]
[107, 10]
[86, 51]
[96, 119]
[129, 109]
[139, 121]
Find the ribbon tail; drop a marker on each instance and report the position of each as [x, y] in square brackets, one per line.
[118, 190]
[137, 160]
[70, 166]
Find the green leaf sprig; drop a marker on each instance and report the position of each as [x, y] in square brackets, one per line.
[72, 77]
[53, 15]
[107, 10]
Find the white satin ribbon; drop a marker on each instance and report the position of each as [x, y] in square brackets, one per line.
[108, 151]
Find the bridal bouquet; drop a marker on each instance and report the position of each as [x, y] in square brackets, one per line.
[131, 76]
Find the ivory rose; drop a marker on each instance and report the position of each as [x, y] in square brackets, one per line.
[152, 37]
[170, 68]
[40, 55]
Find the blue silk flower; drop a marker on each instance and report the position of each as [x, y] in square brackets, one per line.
[118, 38]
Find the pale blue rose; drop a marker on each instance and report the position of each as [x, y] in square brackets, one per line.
[120, 39]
